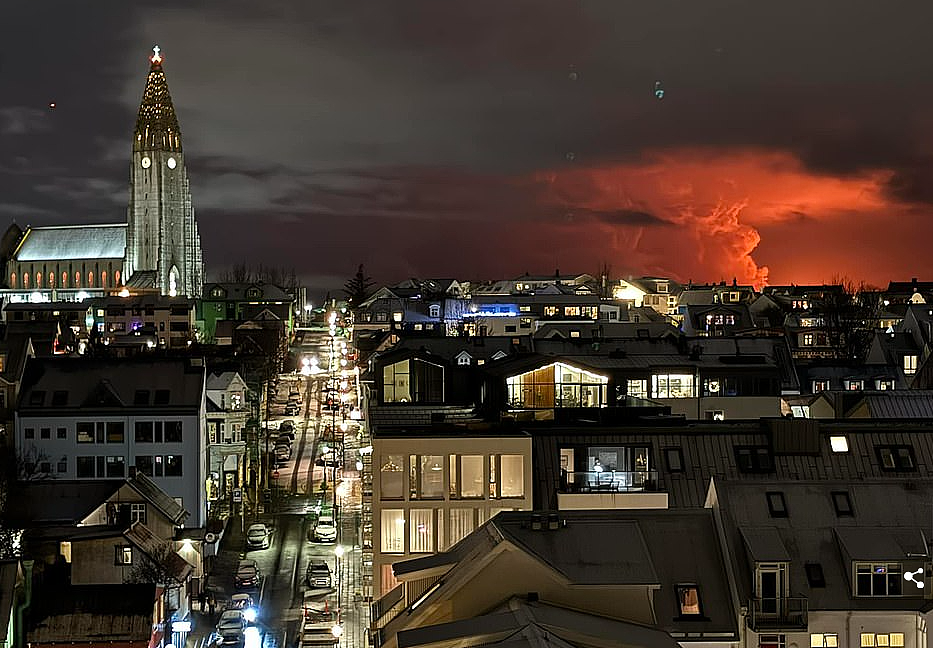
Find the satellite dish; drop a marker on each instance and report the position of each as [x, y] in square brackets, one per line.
[210, 537]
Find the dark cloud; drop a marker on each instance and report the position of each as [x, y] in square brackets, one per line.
[429, 137]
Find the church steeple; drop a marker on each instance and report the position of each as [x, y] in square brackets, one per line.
[156, 123]
[163, 247]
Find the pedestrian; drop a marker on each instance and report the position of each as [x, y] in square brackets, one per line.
[202, 599]
[211, 603]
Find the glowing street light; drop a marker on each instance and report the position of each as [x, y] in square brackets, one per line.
[337, 631]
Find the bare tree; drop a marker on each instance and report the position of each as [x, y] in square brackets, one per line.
[849, 314]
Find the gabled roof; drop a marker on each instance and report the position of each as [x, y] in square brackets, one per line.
[520, 623]
[65, 242]
[896, 404]
[166, 504]
[888, 523]
[70, 384]
[221, 381]
[601, 549]
[159, 550]
[239, 292]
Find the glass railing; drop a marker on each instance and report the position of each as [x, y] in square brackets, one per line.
[609, 481]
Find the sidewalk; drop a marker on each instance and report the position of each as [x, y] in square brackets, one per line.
[220, 582]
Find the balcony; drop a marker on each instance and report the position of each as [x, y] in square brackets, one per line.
[610, 489]
[610, 481]
[783, 614]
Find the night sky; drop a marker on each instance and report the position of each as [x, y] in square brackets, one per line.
[484, 139]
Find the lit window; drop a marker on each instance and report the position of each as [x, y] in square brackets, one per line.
[421, 530]
[867, 640]
[688, 599]
[855, 385]
[393, 531]
[673, 386]
[839, 443]
[896, 639]
[391, 476]
[637, 387]
[820, 386]
[463, 360]
[397, 317]
[123, 555]
[807, 339]
[910, 364]
[824, 640]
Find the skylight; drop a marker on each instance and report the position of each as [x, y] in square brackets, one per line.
[839, 443]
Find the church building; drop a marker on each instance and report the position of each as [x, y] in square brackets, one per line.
[157, 249]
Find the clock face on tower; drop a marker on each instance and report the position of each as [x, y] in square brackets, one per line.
[146, 162]
[171, 163]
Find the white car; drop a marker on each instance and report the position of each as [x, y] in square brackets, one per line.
[325, 530]
[230, 626]
[257, 536]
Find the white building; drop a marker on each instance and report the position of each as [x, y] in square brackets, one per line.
[432, 490]
[101, 419]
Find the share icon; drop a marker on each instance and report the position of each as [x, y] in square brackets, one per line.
[910, 576]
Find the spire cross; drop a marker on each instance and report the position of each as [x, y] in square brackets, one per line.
[155, 54]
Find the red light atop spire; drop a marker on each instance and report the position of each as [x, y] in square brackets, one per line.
[156, 58]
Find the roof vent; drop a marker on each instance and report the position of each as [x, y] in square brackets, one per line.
[554, 522]
[535, 521]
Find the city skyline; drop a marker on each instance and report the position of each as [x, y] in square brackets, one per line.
[482, 141]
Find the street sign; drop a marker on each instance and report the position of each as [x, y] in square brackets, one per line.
[237, 495]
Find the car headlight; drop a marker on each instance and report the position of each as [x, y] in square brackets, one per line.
[249, 614]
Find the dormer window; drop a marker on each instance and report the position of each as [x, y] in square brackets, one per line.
[878, 579]
[820, 386]
[854, 384]
[910, 364]
[662, 287]
[463, 360]
[253, 293]
[217, 292]
[434, 310]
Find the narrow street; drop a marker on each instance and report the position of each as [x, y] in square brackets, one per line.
[301, 491]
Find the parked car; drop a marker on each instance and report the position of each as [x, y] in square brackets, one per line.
[247, 577]
[318, 574]
[241, 601]
[325, 530]
[283, 449]
[257, 536]
[286, 437]
[286, 425]
[230, 626]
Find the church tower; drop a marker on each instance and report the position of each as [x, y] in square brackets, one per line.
[163, 247]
